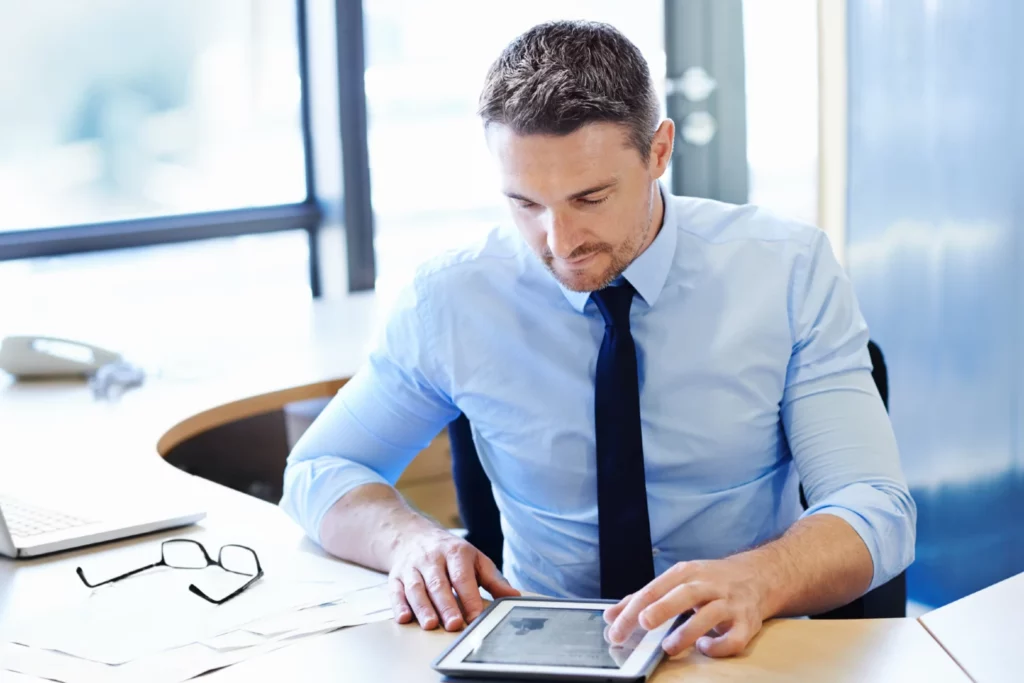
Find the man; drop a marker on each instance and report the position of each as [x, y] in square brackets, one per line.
[649, 378]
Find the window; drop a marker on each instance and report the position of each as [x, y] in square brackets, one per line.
[780, 45]
[433, 182]
[122, 109]
[195, 287]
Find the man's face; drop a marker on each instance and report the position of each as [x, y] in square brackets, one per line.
[585, 202]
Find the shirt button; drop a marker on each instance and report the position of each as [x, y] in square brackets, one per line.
[655, 552]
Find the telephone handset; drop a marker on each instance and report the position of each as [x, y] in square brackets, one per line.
[37, 356]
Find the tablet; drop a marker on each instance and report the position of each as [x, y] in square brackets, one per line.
[531, 638]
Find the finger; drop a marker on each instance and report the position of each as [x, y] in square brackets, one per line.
[399, 605]
[732, 643]
[679, 600]
[440, 590]
[416, 594]
[706, 618]
[493, 580]
[462, 573]
[615, 610]
[627, 621]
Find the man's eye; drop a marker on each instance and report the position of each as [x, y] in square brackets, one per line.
[592, 202]
[525, 204]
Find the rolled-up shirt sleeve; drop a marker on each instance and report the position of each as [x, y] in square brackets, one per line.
[836, 426]
[376, 424]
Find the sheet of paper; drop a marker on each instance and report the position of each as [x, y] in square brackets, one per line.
[340, 618]
[183, 664]
[171, 666]
[52, 666]
[281, 624]
[353, 608]
[234, 640]
[155, 611]
[327, 627]
[370, 600]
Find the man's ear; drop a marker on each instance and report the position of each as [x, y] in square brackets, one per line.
[661, 148]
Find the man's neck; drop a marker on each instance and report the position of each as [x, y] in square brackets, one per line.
[657, 218]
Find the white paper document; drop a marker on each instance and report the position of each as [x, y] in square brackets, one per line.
[361, 606]
[309, 609]
[171, 666]
[155, 611]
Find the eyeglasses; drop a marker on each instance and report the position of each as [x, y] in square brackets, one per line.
[184, 553]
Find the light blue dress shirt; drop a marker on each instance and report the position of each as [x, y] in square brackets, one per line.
[754, 375]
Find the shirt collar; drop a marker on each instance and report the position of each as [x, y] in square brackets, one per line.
[648, 272]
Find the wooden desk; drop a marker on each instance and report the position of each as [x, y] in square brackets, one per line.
[984, 632]
[896, 650]
[54, 436]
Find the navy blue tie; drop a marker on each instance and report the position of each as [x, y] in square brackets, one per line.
[624, 529]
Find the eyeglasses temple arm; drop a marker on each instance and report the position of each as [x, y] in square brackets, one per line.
[81, 575]
[198, 591]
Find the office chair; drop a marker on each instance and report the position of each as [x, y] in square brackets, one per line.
[483, 521]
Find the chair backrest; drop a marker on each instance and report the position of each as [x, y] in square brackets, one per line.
[879, 372]
[483, 521]
[473, 493]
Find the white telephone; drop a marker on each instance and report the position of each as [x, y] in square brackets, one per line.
[33, 356]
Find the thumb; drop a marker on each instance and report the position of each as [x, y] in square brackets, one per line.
[729, 645]
[493, 580]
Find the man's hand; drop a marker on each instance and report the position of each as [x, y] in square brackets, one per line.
[819, 563]
[426, 566]
[372, 525]
[727, 596]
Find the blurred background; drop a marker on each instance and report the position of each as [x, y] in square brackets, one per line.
[224, 159]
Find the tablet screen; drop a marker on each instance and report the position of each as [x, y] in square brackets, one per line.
[553, 637]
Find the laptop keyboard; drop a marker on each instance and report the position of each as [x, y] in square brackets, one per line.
[25, 520]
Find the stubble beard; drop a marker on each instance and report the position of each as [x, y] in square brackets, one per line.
[621, 258]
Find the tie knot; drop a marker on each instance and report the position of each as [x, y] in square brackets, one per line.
[614, 303]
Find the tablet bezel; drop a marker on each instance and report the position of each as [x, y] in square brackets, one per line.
[640, 663]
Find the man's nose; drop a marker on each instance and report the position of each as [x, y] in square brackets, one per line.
[563, 238]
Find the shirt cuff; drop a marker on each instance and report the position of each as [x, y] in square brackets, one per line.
[312, 487]
[883, 524]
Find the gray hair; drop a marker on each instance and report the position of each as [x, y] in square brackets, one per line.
[562, 75]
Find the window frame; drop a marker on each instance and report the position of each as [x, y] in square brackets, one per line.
[308, 215]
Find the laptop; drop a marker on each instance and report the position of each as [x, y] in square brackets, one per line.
[29, 530]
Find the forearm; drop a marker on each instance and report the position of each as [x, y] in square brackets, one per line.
[341, 452]
[820, 563]
[367, 524]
